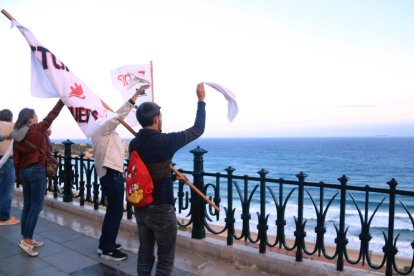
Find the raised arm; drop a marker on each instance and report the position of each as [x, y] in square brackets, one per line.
[122, 112]
[126, 108]
[51, 116]
[201, 93]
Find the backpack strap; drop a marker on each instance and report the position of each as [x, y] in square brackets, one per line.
[35, 147]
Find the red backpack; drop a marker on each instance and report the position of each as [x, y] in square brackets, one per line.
[139, 186]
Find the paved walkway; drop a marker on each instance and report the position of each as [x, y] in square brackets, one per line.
[65, 252]
[71, 233]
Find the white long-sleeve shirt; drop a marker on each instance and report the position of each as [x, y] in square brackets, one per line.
[108, 148]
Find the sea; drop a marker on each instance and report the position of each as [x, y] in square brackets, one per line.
[371, 161]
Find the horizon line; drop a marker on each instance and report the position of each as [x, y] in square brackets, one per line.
[268, 137]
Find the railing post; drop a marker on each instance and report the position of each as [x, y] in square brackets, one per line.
[67, 178]
[280, 220]
[300, 233]
[341, 240]
[245, 216]
[82, 180]
[320, 228]
[389, 249]
[365, 236]
[180, 195]
[197, 203]
[96, 191]
[88, 180]
[129, 209]
[262, 226]
[76, 174]
[230, 213]
[55, 180]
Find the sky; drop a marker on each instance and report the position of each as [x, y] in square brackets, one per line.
[298, 68]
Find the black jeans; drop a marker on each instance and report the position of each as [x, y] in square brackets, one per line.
[156, 224]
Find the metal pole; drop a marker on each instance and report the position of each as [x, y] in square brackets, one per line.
[197, 203]
[67, 174]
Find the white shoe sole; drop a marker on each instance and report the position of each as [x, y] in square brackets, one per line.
[25, 248]
[106, 257]
[99, 251]
[37, 243]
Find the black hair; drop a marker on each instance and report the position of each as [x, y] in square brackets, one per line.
[24, 117]
[6, 115]
[146, 113]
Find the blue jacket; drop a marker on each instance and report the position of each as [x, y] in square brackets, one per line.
[157, 149]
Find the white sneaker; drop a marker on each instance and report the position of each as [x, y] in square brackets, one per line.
[27, 248]
[37, 243]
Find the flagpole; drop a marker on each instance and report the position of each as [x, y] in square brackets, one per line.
[120, 119]
[152, 81]
[3, 11]
[195, 189]
[181, 175]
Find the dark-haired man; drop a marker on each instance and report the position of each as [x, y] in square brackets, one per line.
[157, 222]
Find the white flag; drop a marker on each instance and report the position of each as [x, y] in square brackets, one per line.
[51, 78]
[128, 78]
[232, 107]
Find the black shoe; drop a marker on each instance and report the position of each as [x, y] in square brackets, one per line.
[115, 255]
[117, 247]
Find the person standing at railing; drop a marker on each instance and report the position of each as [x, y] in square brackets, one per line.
[7, 174]
[109, 157]
[31, 149]
[157, 222]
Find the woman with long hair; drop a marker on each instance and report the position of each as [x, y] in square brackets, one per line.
[31, 149]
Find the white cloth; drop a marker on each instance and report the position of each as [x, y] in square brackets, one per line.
[127, 79]
[232, 106]
[51, 78]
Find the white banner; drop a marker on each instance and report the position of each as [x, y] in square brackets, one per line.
[128, 78]
[53, 79]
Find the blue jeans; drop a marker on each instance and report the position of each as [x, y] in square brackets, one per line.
[7, 179]
[113, 187]
[34, 189]
[156, 224]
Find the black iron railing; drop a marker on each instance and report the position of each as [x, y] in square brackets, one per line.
[283, 200]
